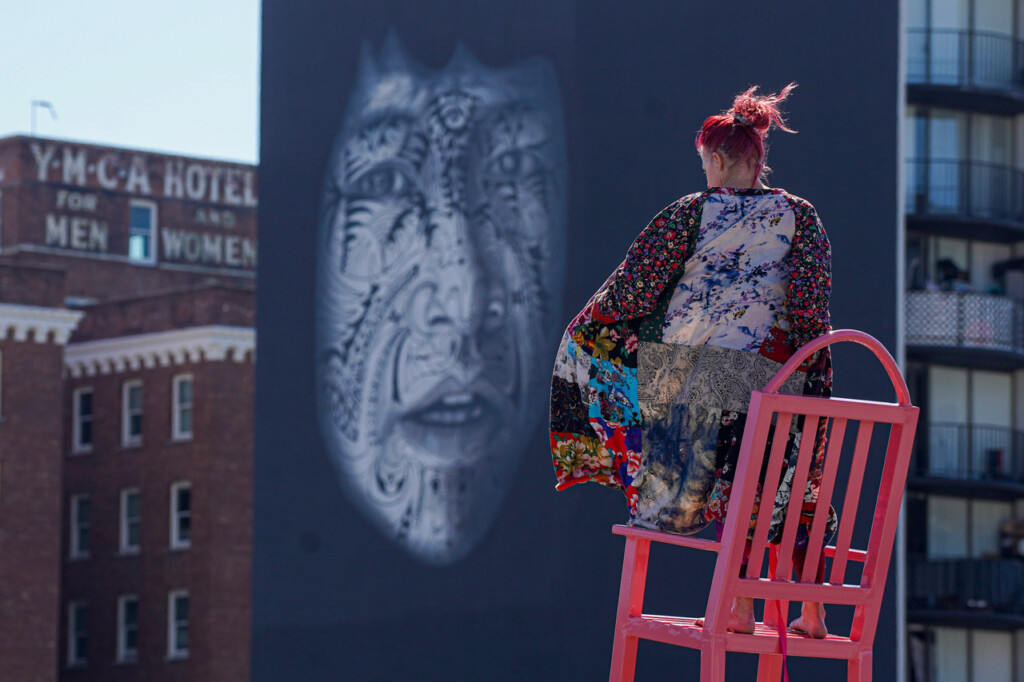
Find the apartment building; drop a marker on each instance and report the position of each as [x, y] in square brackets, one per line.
[964, 330]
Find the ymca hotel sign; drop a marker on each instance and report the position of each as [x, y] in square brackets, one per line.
[209, 235]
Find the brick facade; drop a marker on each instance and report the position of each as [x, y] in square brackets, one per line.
[185, 309]
[31, 402]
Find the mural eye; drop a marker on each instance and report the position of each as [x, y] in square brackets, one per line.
[494, 315]
[514, 164]
[382, 182]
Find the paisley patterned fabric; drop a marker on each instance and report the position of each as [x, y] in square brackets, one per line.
[653, 377]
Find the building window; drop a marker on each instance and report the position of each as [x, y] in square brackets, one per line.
[127, 629]
[78, 633]
[131, 413]
[181, 515]
[81, 410]
[130, 515]
[181, 417]
[80, 509]
[142, 233]
[177, 624]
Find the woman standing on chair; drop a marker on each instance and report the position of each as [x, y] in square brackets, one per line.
[653, 376]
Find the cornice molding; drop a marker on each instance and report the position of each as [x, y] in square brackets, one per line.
[213, 343]
[18, 322]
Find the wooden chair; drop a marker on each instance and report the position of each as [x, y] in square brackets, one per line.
[773, 643]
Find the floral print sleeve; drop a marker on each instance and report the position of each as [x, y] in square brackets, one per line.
[653, 261]
[810, 276]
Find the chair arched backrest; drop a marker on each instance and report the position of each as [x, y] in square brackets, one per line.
[773, 412]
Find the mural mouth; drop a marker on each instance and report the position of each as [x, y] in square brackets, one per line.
[455, 428]
[452, 410]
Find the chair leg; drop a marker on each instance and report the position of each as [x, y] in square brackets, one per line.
[631, 600]
[712, 662]
[859, 669]
[623, 657]
[769, 668]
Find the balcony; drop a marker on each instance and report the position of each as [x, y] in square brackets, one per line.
[973, 459]
[950, 197]
[966, 69]
[966, 592]
[982, 331]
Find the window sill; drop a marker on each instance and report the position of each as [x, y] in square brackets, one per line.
[129, 552]
[179, 548]
[181, 656]
[181, 439]
[79, 452]
[131, 659]
[78, 557]
[131, 445]
[76, 665]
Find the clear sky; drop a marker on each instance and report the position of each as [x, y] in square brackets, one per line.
[178, 76]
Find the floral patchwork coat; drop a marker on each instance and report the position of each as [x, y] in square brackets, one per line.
[652, 379]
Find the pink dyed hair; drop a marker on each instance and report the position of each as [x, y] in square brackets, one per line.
[740, 132]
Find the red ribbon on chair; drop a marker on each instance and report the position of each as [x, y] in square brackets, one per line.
[780, 624]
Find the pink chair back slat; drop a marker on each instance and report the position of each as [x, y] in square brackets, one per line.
[885, 521]
[828, 480]
[796, 496]
[854, 482]
[770, 488]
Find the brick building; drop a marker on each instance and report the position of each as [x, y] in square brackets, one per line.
[127, 283]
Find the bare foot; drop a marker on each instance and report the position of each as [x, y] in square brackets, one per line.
[741, 617]
[811, 621]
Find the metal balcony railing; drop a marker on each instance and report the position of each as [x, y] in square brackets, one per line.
[992, 585]
[964, 58]
[965, 320]
[970, 452]
[970, 189]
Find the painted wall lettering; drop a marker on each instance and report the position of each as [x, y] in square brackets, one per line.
[208, 248]
[130, 172]
[76, 232]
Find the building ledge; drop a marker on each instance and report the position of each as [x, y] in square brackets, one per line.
[966, 618]
[1001, 101]
[984, 488]
[213, 343]
[962, 226]
[18, 322]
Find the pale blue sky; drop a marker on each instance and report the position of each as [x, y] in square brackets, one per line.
[178, 76]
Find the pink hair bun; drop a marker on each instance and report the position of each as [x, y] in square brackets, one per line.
[740, 132]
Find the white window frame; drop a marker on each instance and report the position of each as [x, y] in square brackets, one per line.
[75, 550]
[174, 650]
[124, 654]
[151, 205]
[176, 541]
[77, 446]
[127, 438]
[177, 433]
[124, 525]
[75, 658]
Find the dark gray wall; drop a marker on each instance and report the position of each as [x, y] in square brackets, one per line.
[333, 599]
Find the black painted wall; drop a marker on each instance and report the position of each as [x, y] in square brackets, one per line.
[535, 601]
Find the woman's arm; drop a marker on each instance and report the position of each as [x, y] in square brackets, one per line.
[656, 257]
[810, 276]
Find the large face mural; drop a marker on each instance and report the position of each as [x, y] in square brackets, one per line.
[441, 250]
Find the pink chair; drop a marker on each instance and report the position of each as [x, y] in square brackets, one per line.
[771, 641]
